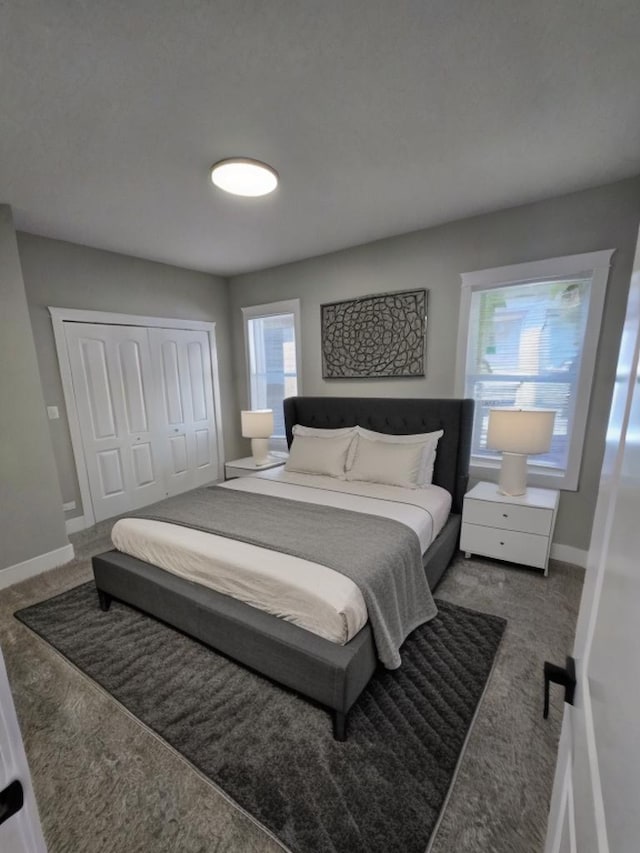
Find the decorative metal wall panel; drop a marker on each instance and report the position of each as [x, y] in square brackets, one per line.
[375, 336]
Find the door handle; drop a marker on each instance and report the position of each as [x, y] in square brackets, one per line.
[11, 800]
[559, 675]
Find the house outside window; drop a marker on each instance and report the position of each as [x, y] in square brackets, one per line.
[528, 338]
[272, 342]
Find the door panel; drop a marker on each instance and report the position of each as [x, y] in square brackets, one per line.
[111, 476]
[197, 381]
[603, 756]
[133, 384]
[614, 671]
[178, 445]
[202, 412]
[142, 463]
[203, 452]
[98, 391]
[172, 383]
[113, 388]
[183, 369]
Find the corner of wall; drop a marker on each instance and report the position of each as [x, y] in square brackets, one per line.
[32, 520]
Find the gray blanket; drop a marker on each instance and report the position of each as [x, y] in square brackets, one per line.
[382, 557]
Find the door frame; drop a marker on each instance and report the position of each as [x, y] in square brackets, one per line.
[60, 316]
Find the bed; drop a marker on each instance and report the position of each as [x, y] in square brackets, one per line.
[331, 674]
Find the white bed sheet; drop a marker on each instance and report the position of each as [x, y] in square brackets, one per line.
[308, 594]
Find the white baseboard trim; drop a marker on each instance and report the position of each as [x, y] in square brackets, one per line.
[75, 525]
[35, 566]
[569, 554]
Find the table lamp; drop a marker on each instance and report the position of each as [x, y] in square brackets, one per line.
[257, 424]
[518, 433]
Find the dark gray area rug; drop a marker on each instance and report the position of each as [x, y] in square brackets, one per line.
[272, 751]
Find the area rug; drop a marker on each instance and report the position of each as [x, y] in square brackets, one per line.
[273, 752]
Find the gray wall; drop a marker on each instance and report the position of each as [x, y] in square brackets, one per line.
[31, 519]
[66, 275]
[602, 218]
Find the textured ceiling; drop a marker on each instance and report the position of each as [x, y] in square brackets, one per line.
[381, 116]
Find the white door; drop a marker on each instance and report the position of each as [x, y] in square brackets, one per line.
[20, 830]
[182, 365]
[595, 801]
[115, 401]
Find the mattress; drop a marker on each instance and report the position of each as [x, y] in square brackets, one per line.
[308, 594]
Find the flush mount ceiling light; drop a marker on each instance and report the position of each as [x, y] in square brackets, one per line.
[242, 176]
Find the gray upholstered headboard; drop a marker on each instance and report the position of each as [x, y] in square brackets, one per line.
[398, 416]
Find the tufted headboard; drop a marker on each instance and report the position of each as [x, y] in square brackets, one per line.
[398, 416]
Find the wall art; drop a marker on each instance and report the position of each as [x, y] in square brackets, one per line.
[374, 336]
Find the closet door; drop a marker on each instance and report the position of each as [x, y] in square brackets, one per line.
[113, 387]
[182, 364]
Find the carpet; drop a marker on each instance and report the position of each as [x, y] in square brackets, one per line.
[272, 751]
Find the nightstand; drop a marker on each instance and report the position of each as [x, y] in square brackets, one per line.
[516, 529]
[246, 467]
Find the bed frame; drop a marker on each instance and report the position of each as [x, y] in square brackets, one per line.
[323, 671]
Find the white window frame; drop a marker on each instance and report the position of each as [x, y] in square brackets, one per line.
[272, 309]
[596, 266]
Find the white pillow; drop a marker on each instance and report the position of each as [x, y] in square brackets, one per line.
[315, 432]
[428, 441]
[310, 454]
[392, 463]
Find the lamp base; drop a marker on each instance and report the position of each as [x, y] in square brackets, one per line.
[260, 450]
[513, 474]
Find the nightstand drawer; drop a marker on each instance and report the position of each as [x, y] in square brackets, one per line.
[508, 516]
[526, 548]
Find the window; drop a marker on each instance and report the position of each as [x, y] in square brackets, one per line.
[528, 338]
[273, 359]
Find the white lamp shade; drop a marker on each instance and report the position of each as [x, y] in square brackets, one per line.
[257, 423]
[520, 430]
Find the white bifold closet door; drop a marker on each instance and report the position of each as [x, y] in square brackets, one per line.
[187, 440]
[145, 407]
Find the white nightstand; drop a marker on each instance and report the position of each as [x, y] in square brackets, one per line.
[517, 529]
[247, 467]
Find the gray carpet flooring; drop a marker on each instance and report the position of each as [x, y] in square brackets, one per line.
[107, 784]
[273, 752]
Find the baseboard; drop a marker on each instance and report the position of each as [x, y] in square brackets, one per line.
[35, 566]
[75, 525]
[569, 554]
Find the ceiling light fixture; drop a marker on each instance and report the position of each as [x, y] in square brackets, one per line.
[243, 176]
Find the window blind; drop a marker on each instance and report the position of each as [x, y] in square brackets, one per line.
[272, 365]
[525, 347]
